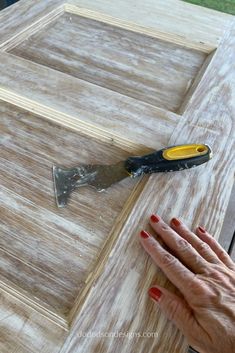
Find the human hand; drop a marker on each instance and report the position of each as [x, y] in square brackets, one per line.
[204, 274]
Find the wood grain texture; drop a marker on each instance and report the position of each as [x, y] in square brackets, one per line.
[46, 283]
[216, 85]
[197, 31]
[22, 330]
[90, 108]
[22, 17]
[45, 251]
[34, 27]
[147, 69]
[198, 197]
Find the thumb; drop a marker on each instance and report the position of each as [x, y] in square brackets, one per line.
[175, 308]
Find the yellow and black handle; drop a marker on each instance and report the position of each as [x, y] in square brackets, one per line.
[169, 159]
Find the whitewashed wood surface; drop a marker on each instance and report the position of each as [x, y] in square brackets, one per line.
[49, 252]
[95, 82]
[138, 66]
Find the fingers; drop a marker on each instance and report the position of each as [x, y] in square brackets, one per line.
[175, 308]
[199, 245]
[181, 247]
[215, 247]
[177, 273]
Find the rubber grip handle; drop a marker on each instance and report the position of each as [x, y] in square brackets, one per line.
[169, 159]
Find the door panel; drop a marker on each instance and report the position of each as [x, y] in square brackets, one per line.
[95, 110]
[130, 272]
[93, 82]
[24, 330]
[49, 252]
[133, 64]
[171, 19]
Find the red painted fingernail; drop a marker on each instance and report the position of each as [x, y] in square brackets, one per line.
[176, 222]
[144, 234]
[202, 230]
[155, 293]
[154, 218]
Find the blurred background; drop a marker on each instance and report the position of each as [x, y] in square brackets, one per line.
[5, 3]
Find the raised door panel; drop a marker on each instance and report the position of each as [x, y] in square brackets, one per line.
[133, 64]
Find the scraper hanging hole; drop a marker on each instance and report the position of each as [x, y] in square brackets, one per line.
[201, 149]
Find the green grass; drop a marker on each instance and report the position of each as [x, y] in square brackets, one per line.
[219, 5]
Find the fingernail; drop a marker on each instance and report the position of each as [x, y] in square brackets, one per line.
[144, 234]
[202, 230]
[155, 293]
[176, 222]
[154, 218]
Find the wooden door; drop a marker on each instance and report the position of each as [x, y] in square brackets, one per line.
[94, 82]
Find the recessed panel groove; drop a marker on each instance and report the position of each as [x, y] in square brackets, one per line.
[133, 64]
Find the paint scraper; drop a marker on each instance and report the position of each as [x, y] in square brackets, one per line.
[101, 177]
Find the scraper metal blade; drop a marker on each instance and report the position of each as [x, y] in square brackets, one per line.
[98, 176]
